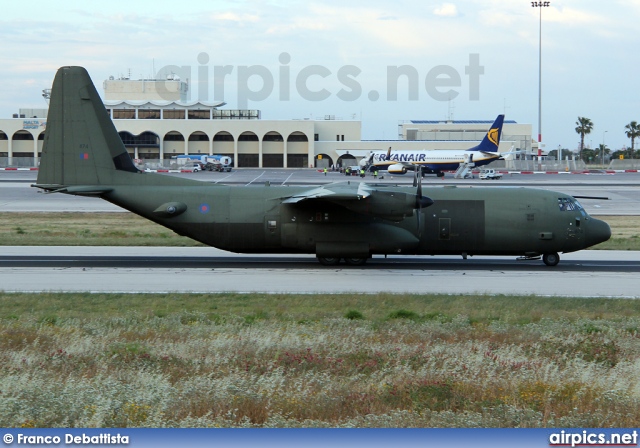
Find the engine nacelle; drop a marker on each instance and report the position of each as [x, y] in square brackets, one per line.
[398, 168]
[394, 206]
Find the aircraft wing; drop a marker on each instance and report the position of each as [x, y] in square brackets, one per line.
[337, 192]
[411, 166]
[365, 199]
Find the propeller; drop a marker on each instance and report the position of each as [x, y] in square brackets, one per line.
[604, 198]
[421, 201]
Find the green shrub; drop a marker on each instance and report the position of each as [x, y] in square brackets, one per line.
[403, 314]
[353, 314]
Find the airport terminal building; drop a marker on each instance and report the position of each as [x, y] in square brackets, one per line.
[156, 124]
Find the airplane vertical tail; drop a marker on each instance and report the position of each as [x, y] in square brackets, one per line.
[491, 141]
[81, 145]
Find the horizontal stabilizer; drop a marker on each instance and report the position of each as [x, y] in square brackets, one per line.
[78, 190]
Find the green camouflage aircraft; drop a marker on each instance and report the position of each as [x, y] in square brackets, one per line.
[351, 221]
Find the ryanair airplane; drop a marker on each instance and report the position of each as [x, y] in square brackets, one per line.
[438, 160]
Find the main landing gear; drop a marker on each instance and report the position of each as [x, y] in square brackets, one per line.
[551, 259]
[334, 261]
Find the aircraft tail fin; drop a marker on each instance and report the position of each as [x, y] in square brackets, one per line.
[491, 141]
[81, 145]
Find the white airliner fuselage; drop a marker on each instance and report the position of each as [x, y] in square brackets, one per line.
[438, 160]
[430, 161]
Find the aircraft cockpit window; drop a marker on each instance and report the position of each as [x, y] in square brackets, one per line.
[568, 204]
[565, 204]
[580, 208]
[578, 205]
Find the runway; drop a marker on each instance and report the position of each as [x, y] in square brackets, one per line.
[209, 270]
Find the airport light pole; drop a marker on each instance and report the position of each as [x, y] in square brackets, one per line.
[603, 147]
[540, 5]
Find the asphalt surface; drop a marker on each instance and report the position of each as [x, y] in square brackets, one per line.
[209, 270]
[294, 262]
[137, 269]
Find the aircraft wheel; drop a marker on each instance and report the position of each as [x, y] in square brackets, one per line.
[355, 261]
[551, 259]
[328, 261]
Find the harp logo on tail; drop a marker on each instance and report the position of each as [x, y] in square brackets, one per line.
[493, 136]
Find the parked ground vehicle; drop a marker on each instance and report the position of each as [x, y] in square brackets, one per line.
[204, 162]
[217, 166]
[490, 174]
[352, 170]
[193, 167]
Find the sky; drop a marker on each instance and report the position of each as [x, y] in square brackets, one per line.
[380, 62]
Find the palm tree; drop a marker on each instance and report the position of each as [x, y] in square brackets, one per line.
[632, 131]
[584, 127]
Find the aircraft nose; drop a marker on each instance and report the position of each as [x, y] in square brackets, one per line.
[598, 232]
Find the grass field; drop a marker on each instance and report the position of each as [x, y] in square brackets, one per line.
[85, 229]
[232, 360]
[127, 229]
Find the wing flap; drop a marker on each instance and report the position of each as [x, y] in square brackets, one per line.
[338, 192]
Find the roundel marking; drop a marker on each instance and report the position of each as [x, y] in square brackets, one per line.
[204, 208]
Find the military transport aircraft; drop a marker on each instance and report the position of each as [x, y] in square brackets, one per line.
[83, 155]
[435, 161]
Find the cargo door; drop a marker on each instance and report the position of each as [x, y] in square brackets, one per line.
[454, 226]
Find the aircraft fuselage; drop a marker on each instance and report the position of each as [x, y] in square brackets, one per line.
[473, 221]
